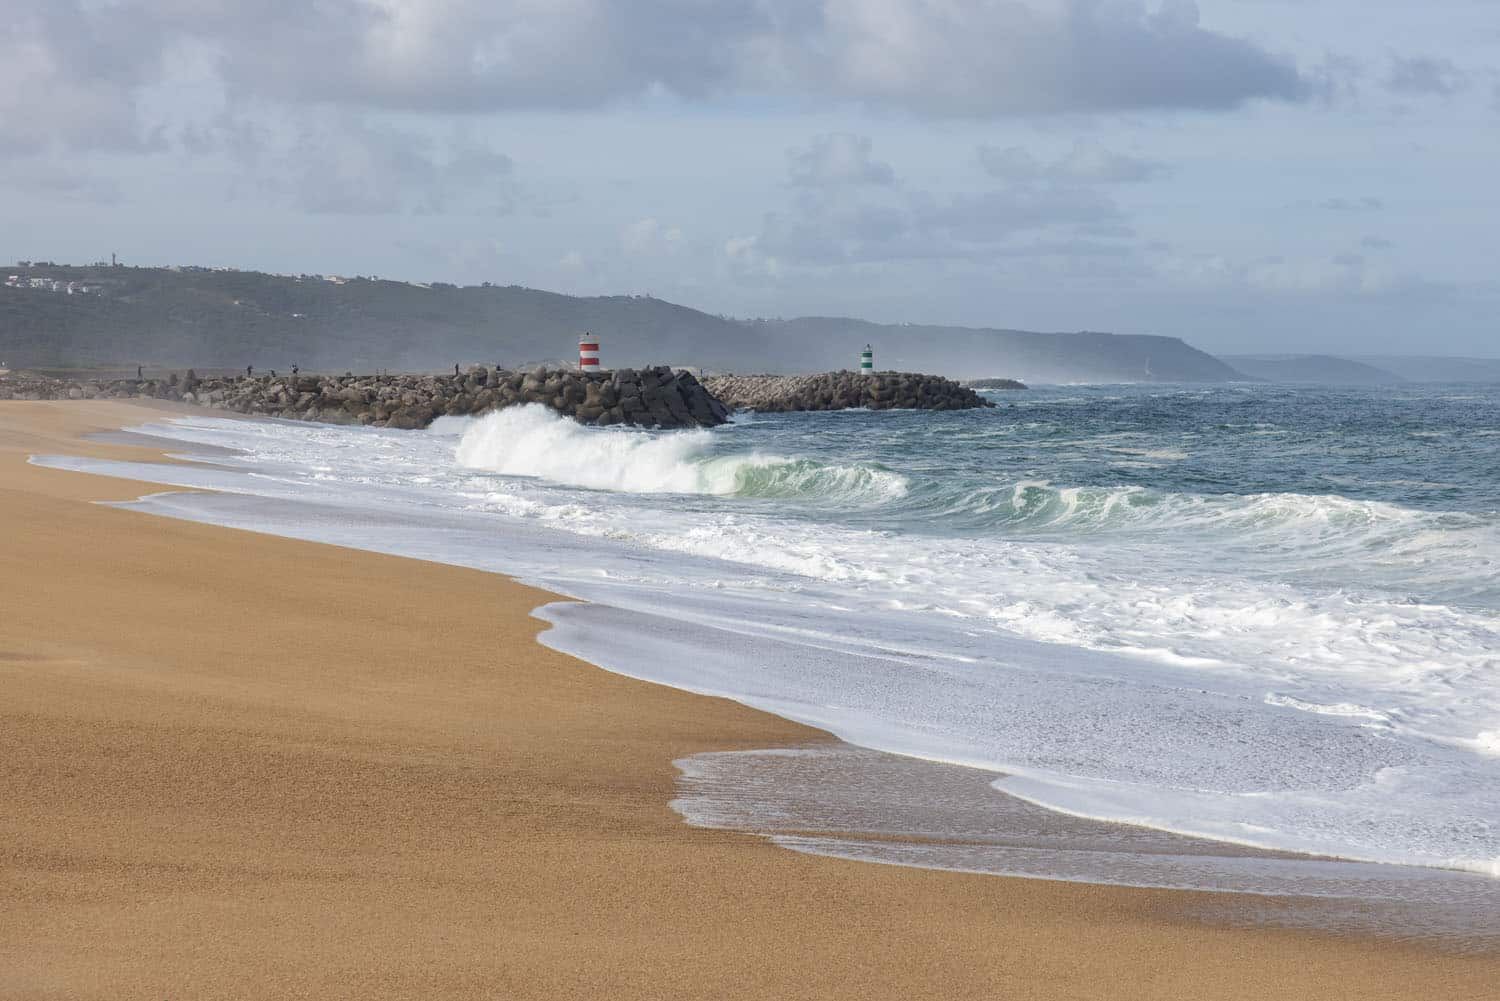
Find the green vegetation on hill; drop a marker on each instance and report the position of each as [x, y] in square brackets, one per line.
[235, 318]
[162, 317]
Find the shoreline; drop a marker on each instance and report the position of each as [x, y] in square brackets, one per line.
[142, 872]
[844, 801]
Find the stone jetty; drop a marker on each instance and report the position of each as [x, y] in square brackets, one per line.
[843, 391]
[649, 397]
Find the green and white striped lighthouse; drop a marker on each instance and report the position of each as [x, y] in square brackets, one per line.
[867, 361]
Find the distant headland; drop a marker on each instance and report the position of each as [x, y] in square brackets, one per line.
[221, 318]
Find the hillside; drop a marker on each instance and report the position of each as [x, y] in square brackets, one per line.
[161, 317]
[208, 319]
[968, 352]
[1425, 368]
[1325, 370]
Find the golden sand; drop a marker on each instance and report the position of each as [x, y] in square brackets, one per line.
[236, 766]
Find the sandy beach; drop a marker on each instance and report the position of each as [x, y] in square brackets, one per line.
[237, 766]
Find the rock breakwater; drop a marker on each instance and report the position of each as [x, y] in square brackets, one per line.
[843, 391]
[650, 397]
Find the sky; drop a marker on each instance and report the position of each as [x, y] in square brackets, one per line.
[1250, 175]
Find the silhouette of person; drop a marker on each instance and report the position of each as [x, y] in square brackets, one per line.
[138, 372]
[273, 373]
[455, 369]
[294, 369]
[249, 371]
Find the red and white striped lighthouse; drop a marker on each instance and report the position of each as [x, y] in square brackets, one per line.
[588, 353]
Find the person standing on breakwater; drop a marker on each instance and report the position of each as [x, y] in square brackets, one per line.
[138, 373]
[294, 371]
[249, 371]
[455, 370]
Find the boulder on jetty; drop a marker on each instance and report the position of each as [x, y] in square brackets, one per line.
[648, 397]
[843, 391]
[995, 384]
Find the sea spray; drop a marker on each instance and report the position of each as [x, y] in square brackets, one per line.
[1282, 630]
[534, 442]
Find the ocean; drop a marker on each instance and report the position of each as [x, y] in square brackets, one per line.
[1252, 615]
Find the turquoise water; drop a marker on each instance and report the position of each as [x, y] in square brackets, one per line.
[1252, 614]
[1313, 484]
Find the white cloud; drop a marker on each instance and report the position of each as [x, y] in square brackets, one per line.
[1425, 76]
[835, 160]
[353, 166]
[745, 259]
[854, 223]
[47, 177]
[648, 237]
[72, 71]
[1341, 203]
[1086, 163]
[951, 58]
[1351, 275]
[70, 76]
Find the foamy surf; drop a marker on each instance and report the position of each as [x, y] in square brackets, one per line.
[1216, 649]
[532, 441]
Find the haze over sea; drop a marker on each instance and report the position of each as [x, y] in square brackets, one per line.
[1255, 614]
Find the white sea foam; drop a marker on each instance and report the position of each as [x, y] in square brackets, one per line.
[1248, 668]
[532, 441]
[1336, 709]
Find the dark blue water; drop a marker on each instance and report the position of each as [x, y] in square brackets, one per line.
[1433, 447]
[1430, 447]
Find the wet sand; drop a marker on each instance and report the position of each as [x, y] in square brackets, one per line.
[235, 766]
[851, 802]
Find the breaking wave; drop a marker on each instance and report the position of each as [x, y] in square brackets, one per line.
[1217, 645]
[532, 441]
[1041, 506]
[1451, 555]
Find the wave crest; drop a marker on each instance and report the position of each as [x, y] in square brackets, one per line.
[1039, 505]
[533, 441]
